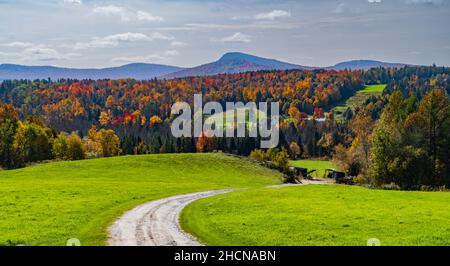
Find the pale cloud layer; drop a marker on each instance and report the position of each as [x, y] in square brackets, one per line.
[94, 33]
[116, 39]
[125, 14]
[431, 2]
[18, 44]
[178, 44]
[38, 54]
[238, 37]
[275, 14]
[76, 2]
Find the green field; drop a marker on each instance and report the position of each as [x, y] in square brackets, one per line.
[373, 88]
[320, 215]
[319, 165]
[234, 113]
[358, 99]
[49, 203]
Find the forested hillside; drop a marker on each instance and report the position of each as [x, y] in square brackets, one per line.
[109, 117]
[139, 112]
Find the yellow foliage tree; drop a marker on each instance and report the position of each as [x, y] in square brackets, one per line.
[104, 118]
[155, 120]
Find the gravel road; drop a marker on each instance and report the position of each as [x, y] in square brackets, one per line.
[156, 223]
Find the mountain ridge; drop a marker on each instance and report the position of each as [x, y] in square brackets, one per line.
[134, 70]
[235, 62]
[229, 63]
[364, 64]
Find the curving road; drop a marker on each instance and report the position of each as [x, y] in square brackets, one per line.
[156, 223]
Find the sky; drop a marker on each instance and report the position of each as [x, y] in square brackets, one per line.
[186, 33]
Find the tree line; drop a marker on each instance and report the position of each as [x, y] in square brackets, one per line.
[408, 147]
[28, 141]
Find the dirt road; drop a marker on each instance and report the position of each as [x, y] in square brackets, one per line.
[156, 223]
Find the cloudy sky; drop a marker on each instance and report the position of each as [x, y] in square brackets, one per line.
[91, 33]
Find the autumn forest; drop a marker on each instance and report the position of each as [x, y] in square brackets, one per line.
[75, 119]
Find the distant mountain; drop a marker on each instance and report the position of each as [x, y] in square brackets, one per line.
[364, 64]
[235, 63]
[229, 63]
[138, 71]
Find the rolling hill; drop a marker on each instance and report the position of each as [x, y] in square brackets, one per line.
[137, 71]
[364, 64]
[49, 203]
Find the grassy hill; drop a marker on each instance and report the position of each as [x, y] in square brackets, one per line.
[358, 99]
[320, 215]
[50, 203]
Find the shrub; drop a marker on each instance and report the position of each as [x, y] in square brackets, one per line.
[68, 147]
[391, 186]
[60, 147]
[258, 155]
[75, 147]
[272, 158]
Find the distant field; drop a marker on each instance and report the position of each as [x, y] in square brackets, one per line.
[320, 166]
[233, 113]
[374, 88]
[358, 99]
[320, 215]
[50, 203]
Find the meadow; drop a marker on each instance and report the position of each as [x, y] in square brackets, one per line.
[237, 114]
[320, 215]
[49, 203]
[378, 88]
[358, 99]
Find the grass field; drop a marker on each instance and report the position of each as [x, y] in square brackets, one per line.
[358, 99]
[373, 88]
[320, 166]
[233, 113]
[50, 203]
[320, 215]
